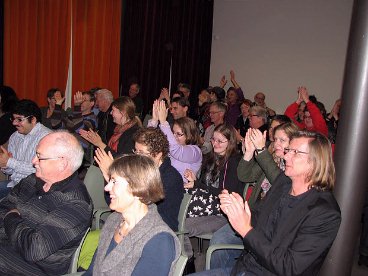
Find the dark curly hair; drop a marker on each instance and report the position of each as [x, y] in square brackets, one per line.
[154, 139]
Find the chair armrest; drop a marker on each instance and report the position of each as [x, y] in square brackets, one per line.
[215, 247]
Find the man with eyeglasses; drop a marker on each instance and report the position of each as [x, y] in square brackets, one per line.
[44, 217]
[16, 161]
[217, 113]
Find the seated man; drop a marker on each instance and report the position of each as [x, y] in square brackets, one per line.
[45, 216]
[16, 161]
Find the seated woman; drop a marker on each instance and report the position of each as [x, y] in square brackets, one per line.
[183, 139]
[132, 235]
[260, 168]
[296, 224]
[121, 142]
[218, 172]
[153, 143]
[55, 100]
[313, 119]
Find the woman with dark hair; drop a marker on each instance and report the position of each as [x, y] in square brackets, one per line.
[8, 99]
[183, 139]
[135, 240]
[218, 172]
[127, 123]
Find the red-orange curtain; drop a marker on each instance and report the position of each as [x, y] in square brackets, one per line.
[36, 46]
[96, 44]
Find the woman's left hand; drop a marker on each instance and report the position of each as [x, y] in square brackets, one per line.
[104, 161]
[92, 137]
[237, 211]
[258, 139]
[162, 111]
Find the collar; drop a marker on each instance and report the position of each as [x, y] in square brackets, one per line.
[62, 185]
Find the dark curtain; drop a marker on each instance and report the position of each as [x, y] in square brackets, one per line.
[154, 31]
[1, 42]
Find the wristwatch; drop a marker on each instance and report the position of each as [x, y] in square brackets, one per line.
[258, 151]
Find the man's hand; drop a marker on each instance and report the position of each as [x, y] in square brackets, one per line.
[223, 81]
[59, 98]
[4, 157]
[237, 211]
[78, 98]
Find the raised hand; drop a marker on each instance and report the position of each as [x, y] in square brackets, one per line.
[223, 81]
[59, 98]
[303, 93]
[78, 98]
[258, 139]
[248, 147]
[164, 94]
[161, 111]
[104, 161]
[155, 110]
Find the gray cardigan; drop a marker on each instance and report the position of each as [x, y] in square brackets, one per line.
[124, 257]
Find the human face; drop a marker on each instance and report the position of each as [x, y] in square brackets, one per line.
[22, 124]
[255, 121]
[143, 150]
[259, 98]
[178, 111]
[297, 165]
[231, 97]
[118, 116]
[185, 91]
[51, 101]
[216, 115]
[301, 109]
[281, 142]
[120, 194]
[179, 135]
[133, 90]
[308, 120]
[219, 143]
[101, 103]
[203, 97]
[244, 108]
[46, 163]
[271, 128]
[86, 105]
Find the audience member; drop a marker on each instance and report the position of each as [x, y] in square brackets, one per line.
[183, 139]
[258, 119]
[123, 113]
[218, 172]
[217, 113]
[133, 92]
[105, 121]
[204, 103]
[234, 97]
[276, 121]
[313, 119]
[8, 100]
[16, 161]
[54, 95]
[179, 107]
[259, 169]
[134, 239]
[45, 216]
[259, 100]
[217, 94]
[332, 121]
[242, 123]
[298, 220]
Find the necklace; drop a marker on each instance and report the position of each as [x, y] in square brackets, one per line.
[120, 228]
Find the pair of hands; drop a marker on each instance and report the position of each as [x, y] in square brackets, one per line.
[223, 80]
[92, 137]
[303, 95]
[59, 98]
[254, 139]
[4, 157]
[164, 94]
[159, 111]
[237, 211]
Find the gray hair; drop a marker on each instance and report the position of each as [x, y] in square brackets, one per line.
[260, 112]
[68, 146]
[107, 94]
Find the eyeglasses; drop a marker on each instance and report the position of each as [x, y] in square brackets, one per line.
[217, 141]
[252, 115]
[294, 151]
[178, 134]
[19, 120]
[38, 155]
[214, 112]
[139, 152]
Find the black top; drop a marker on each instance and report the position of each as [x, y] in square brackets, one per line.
[6, 128]
[106, 125]
[169, 207]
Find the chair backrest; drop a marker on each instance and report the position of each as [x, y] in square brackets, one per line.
[94, 182]
[74, 264]
[183, 211]
[180, 265]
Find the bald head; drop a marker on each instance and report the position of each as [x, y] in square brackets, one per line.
[260, 98]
